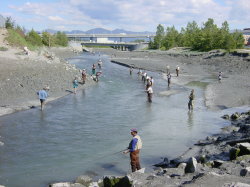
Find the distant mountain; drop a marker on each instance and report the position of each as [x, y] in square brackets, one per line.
[75, 32]
[99, 31]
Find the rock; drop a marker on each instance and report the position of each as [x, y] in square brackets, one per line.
[233, 153]
[94, 184]
[191, 165]
[1, 143]
[244, 148]
[182, 166]
[235, 116]
[245, 128]
[163, 164]
[2, 186]
[217, 163]
[173, 172]
[245, 172]
[66, 184]
[112, 181]
[84, 179]
[226, 116]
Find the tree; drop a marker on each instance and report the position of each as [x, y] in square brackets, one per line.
[34, 38]
[48, 39]
[9, 23]
[171, 38]
[159, 37]
[61, 39]
[238, 39]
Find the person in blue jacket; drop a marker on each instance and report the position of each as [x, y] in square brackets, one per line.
[42, 94]
[134, 148]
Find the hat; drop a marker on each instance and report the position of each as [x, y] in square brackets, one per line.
[133, 130]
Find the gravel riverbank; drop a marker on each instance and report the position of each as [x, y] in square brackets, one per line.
[21, 76]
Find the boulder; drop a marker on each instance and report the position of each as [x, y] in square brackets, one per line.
[234, 153]
[245, 172]
[226, 116]
[217, 163]
[235, 116]
[163, 164]
[244, 148]
[191, 165]
[112, 181]
[84, 179]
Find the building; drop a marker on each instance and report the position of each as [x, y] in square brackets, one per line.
[2, 22]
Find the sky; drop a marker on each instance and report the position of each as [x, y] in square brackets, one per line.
[132, 15]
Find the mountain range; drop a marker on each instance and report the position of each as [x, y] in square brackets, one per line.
[99, 31]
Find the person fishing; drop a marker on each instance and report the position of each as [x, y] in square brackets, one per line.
[93, 69]
[149, 91]
[134, 148]
[84, 76]
[177, 71]
[100, 64]
[75, 84]
[220, 76]
[169, 79]
[130, 70]
[191, 100]
[42, 94]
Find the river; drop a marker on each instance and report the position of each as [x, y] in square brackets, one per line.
[81, 133]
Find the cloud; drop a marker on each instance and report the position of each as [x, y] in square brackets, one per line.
[134, 15]
[55, 18]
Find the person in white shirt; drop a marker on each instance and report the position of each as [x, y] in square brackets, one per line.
[150, 93]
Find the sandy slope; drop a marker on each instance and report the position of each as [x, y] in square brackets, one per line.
[21, 76]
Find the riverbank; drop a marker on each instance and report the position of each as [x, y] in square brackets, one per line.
[196, 66]
[21, 75]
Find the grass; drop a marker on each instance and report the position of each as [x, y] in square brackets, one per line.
[3, 49]
[16, 39]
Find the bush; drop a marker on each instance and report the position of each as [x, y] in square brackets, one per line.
[34, 38]
[3, 49]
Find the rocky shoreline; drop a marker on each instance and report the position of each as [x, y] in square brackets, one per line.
[219, 160]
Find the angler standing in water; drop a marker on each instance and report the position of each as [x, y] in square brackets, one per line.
[169, 79]
[177, 71]
[75, 84]
[130, 70]
[42, 94]
[93, 69]
[149, 91]
[134, 148]
[191, 100]
[84, 76]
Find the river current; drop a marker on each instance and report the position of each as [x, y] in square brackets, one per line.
[82, 133]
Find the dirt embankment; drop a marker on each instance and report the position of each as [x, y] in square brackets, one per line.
[21, 75]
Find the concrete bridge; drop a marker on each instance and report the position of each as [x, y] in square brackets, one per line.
[120, 46]
[96, 37]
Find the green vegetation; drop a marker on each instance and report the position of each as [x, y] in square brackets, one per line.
[18, 37]
[3, 49]
[204, 38]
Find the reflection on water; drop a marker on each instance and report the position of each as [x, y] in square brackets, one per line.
[190, 118]
[81, 132]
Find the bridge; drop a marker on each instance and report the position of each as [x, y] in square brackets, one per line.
[118, 45]
[111, 40]
[96, 37]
